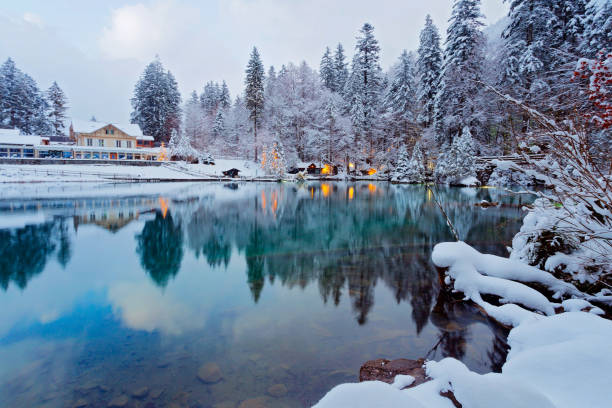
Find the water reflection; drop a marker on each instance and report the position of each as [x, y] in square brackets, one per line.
[160, 247]
[287, 283]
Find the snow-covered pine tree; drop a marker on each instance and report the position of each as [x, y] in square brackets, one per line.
[364, 89]
[254, 93]
[174, 141]
[57, 112]
[401, 97]
[224, 97]
[193, 123]
[456, 103]
[456, 165]
[410, 169]
[402, 165]
[326, 70]
[23, 105]
[156, 102]
[340, 69]
[182, 148]
[275, 163]
[597, 28]
[528, 58]
[218, 130]
[429, 65]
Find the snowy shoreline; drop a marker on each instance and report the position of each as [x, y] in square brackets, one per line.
[557, 354]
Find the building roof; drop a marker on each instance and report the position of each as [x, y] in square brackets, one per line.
[86, 126]
[12, 137]
[143, 137]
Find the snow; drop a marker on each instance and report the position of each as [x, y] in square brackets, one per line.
[401, 381]
[560, 360]
[84, 126]
[13, 137]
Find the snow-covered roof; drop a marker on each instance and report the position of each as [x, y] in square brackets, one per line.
[144, 137]
[86, 126]
[12, 137]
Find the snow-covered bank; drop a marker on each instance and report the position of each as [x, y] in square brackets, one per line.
[555, 360]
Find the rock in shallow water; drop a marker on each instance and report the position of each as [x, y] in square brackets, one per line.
[210, 373]
[140, 393]
[386, 370]
[119, 402]
[277, 390]
[259, 402]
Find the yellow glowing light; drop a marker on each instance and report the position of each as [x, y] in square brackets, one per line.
[263, 200]
[372, 188]
[325, 189]
[163, 155]
[351, 165]
[163, 205]
[371, 171]
[429, 194]
[326, 169]
[351, 193]
[274, 201]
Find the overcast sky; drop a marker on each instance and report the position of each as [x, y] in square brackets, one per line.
[97, 49]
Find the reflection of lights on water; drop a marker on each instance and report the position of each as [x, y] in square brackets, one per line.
[487, 187]
[311, 192]
[325, 189]
[263, 200]
[274, 201]
[429, 194]
[351, 193]
[372, 188]
[163, 205]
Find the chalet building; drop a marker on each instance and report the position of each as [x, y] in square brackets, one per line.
[108, 135]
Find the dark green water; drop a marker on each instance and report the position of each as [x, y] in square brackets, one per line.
[108, 289]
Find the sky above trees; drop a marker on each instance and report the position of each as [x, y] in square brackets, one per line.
[100, 48]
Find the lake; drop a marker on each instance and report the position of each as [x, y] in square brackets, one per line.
[210, 294]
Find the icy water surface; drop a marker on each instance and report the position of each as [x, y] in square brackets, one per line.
[123, 294]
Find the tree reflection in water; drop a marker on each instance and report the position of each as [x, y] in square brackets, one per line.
[345, 238]
[160, 246]
[25, 251]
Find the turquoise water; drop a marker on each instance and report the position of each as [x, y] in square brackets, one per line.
[106, 290]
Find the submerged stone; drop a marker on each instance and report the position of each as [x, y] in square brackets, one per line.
[209, 373]
[119, 402]
[277, 390]
[140, 393]
[258, 402]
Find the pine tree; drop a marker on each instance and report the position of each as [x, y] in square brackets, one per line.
[455, 105]
[156, 102]
[457, 163]
[224, 98]
[254, 92]
[429, 64]
[326, 70]
[597, 28]
[364, 88]
[274, 162]
[57, 114]
[401, 95]
[410, 169]
[193, 119]
[340, 69]
[528, 57]
[219, 126]
[23, 106]
[174, 141]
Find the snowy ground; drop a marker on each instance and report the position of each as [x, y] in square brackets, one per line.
[555, 360]
[11, 173]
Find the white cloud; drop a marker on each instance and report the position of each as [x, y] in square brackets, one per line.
[32, 18]
[141, 31]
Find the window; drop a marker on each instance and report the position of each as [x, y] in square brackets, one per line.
[130, 156]
[121, 156]
[101, 142]
[118, 143]
[106, 131]
[128, 144]
[89, 142]
[112, 131]
[28, 152]
[96, 155]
